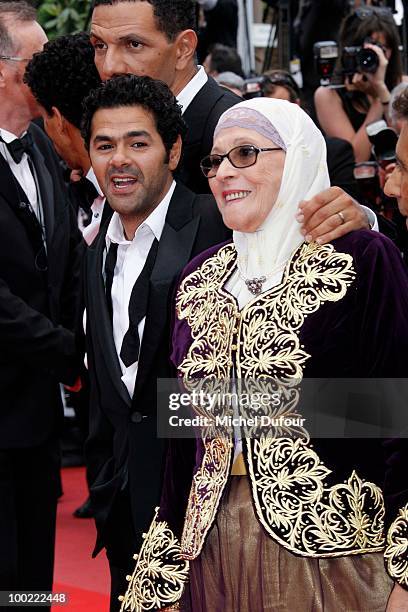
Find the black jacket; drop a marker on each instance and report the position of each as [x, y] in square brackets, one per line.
[201, 117]
[38, 302]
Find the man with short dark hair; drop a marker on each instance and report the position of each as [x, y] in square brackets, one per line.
[157, 38]
[134, 129]
[60, 77]
[40, 258]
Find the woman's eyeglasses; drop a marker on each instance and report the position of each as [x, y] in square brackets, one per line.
[240, 157]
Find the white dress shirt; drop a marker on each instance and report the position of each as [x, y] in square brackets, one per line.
[130, 261]
[187, 95]
[22, 173]
[91, 230]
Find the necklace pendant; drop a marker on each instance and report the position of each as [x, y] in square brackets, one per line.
[254, 285]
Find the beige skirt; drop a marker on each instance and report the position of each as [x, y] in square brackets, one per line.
[242, 569]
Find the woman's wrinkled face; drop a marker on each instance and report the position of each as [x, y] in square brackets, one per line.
[245, 196]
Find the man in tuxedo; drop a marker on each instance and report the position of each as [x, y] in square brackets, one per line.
[39, 254]
[60, 77]
[157, 38]
[134, 129]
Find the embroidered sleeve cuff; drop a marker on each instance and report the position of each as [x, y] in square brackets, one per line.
[396, 552]
[160, 573]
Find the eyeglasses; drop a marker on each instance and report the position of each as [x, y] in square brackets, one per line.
[381, 11]
[14, 59]
[240, 157]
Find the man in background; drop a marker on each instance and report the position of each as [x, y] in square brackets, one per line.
[157, 38]
[40, 255]
[60, 77]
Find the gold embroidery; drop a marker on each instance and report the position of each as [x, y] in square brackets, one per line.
[396, 552]
[300, 511]
[267, 345]
[207, 487]
[210, 353]
[160, 573]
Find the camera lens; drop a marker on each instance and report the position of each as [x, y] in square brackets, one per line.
[367, 60]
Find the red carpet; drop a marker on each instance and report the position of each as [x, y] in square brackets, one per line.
[85, 580]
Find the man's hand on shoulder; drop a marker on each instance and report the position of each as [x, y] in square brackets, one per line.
[330, 215]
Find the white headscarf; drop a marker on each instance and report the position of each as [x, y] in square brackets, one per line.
[266, 251]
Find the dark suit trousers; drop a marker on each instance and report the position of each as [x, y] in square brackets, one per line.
[29, 483]
[121, 545]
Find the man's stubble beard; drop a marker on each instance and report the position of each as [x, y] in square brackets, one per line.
[144, 201]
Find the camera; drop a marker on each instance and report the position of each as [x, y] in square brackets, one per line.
[369, 174]
[353, 59]
[384, 140]
[358, 59]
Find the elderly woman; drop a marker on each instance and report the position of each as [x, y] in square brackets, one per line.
[279, 523]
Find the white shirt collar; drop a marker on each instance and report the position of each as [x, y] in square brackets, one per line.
[187, 95]
[153, 223]
[91, 177]
[9, 136]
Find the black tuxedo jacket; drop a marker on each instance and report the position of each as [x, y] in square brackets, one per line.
[123, 448]
[201, 117]
[38, 303]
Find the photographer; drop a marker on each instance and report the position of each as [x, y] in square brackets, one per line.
[345, 112]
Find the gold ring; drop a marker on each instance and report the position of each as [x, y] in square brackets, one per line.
[342, 219]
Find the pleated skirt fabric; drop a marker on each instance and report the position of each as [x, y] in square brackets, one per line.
[242, 569]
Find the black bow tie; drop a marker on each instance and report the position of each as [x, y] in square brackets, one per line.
[19, 146]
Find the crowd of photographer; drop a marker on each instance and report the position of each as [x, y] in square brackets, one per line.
[361, 75]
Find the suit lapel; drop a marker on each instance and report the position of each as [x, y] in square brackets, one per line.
[102, 324]
[175, 248]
